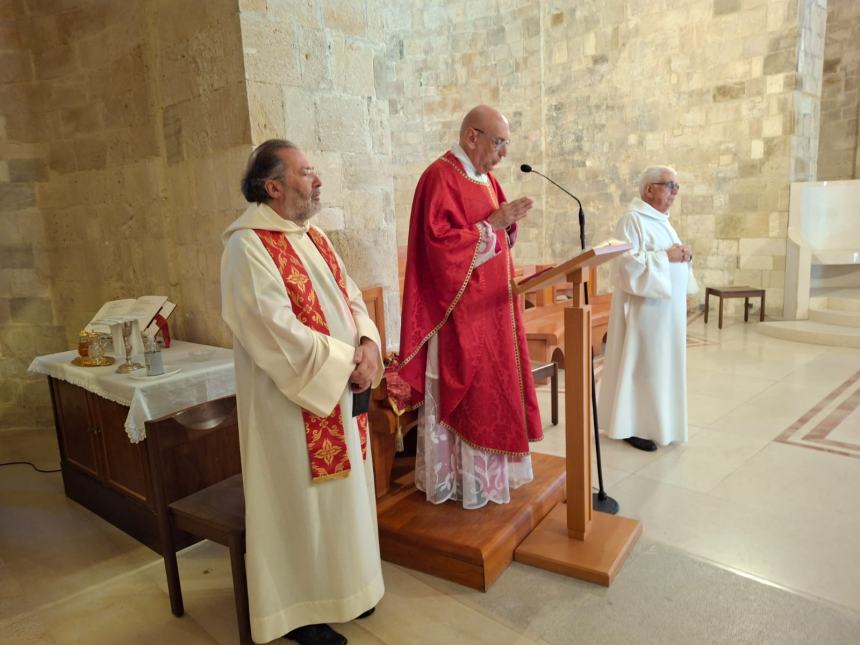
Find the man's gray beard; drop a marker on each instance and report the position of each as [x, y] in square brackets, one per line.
[307, 213]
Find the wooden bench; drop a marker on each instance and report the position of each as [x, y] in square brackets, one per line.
[545, 328]
[197, 485]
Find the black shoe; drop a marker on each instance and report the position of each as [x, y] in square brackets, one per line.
[642, 444]
[316, 635]
[367, 613]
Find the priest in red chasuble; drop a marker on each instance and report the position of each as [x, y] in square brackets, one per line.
[302, 343]
[462, 345]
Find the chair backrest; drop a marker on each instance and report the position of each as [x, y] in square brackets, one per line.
[192, 449]
[373, 298]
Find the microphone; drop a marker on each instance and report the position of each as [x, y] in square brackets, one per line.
[600, 500]
[527, 168]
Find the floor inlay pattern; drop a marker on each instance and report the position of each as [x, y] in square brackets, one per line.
[832, 424]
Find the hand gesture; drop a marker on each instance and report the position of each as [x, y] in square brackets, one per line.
[366, 365]
[679, 253]
[510, 212]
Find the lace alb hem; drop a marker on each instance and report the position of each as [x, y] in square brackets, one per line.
[447, 467]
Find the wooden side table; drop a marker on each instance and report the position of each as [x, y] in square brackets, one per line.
[734, 292]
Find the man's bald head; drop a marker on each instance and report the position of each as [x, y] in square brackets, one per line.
[481, 117]
[484, 136]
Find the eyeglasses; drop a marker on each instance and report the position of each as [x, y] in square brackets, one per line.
[497, 141]
[671, 185]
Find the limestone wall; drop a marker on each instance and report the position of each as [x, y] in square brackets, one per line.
[839, 146]
[125, 126]
[724, 90]
[204, 132]
[445, 58]
[28, 317]
[314, 76]
[122, 120]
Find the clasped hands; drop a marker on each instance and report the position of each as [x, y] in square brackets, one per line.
[679, 253]
[510, 212]
[366, 363]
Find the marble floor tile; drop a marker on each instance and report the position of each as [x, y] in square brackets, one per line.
[738, 389]
[703, 409]
[746, 422]
[792, 480]
[705, 461]
[788, 551]
[848, 430]
[415, 611]
[732, 497]
[621, 456]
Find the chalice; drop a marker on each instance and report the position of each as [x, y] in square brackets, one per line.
[128, 365]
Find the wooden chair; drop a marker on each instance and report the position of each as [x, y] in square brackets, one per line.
[197, 488]
[545, 329]
[384, 423]
[541, 372]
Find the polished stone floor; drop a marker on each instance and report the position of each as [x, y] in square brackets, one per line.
[750, 533]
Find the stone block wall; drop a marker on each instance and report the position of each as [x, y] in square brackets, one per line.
[839, 144]
[140, 110]
[314, 75]
[121, 121]
[445, 58]
[29, 320]
[724, 90]
[201, 116]
[125, 126]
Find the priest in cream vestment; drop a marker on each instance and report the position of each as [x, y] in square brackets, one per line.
[643, 386]
[303, 343]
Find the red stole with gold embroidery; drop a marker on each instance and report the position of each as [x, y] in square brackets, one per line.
[325, 435]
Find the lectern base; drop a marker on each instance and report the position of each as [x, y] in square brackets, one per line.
[597, 559]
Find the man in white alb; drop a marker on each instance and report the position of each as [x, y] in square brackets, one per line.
[643, 387]
[303, 344]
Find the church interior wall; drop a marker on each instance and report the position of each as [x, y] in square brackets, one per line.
[125, 127]
[726, 91]
[136, 110]
[29, 320]
[839, 148]
[314, 74]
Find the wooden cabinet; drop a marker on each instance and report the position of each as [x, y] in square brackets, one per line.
[124, 465]
[75, 428]
[102, 469]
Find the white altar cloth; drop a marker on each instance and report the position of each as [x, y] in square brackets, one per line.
[153, 397]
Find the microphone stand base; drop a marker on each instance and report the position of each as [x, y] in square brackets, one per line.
[604, 505]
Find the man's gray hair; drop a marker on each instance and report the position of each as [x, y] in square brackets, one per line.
[263, 164]
[651, 175]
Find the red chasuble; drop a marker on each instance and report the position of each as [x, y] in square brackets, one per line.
[325, 435]
[486, 390]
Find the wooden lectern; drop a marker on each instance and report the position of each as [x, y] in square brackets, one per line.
[573, 539]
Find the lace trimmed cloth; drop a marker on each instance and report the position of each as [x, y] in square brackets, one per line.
[151, 397]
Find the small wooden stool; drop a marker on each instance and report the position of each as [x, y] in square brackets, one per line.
[734, 292]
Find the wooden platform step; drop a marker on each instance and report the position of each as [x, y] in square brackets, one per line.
[468, 547]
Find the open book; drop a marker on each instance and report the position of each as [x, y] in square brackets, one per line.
[143, 309]
[610, 242]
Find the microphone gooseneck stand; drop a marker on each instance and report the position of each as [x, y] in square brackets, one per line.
[600, 500]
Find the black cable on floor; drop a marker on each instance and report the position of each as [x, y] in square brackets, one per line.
[27, 463]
